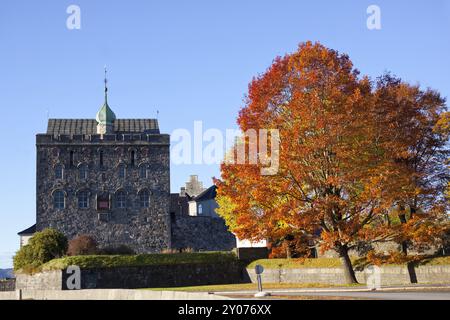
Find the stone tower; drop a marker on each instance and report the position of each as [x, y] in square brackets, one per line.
[105, 177]
[194, 186]
[105, 116]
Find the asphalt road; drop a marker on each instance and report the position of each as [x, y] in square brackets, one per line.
[422, 292]
[378, 295]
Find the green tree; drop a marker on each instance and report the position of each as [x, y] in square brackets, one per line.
[43, 247]
[25, 258]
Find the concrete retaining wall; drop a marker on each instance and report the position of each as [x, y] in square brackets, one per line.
[388, 275]
[108, 294]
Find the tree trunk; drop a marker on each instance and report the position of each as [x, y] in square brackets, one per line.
[411, 268]
[349, 273]
[288, 249]
[404, 244]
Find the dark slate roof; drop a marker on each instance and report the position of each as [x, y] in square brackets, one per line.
[208, 194]
[30, 230]
[89, 126]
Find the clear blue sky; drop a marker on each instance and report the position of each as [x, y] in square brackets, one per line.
[191, 60]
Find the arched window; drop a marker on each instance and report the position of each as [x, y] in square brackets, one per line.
[59, 172]
[143, 171]
[83, 199]
[122, 171]
[71, 161]
[144, 199]
[83, 172]
[121, 199]
[58, 199]
[132, 157]
[200, 209]
[101, 158]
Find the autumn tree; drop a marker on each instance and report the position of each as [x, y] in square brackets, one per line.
[417, 131]
[338, 174]
[82, 245]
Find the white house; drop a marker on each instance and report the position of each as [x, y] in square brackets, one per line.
[26, 235]
[204, 204]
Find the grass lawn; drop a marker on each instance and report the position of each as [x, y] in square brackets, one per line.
[297, 263]
[250, 286]
[439, 261]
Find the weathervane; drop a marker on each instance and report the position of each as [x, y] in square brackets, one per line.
[106, 83]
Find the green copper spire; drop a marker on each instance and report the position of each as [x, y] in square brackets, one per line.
[105, 116]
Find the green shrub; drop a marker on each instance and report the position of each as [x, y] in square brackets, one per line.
[108, 261]
[25, 258]
[82, 245]
[43, 247]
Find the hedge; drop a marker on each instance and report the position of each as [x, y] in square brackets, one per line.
[102, 261]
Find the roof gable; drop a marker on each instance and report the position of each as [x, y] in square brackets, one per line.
[30, 230]
[208, 194]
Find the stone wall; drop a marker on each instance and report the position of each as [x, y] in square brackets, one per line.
[335, 276]
[50, 280]
[7, 285]
[251, 254]
[380, 248]
[161, 276]
[145, 230]
[109, 294]
[201, 234]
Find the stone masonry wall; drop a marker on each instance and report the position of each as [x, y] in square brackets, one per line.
[7, 285]
[388, 275]
[382, 248]
[137, 277]
[49, 280]
[201, 233]
[143, 229]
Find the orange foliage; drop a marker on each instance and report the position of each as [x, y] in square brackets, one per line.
[346, 148]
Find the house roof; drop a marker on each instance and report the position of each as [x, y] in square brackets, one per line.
[89, 126]
[208, 194]
[30, 230]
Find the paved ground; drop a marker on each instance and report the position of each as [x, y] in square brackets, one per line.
[418, 295]
[423, 292]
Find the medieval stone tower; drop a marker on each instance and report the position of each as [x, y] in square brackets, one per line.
[108, 178]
